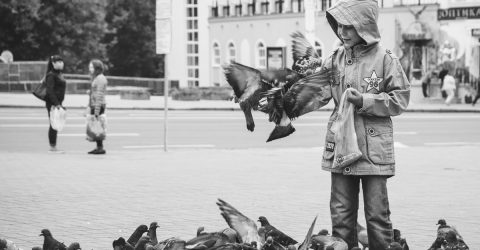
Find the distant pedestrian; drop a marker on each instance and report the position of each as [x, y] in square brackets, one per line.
[478, 94]
[56, 86]
[97, 102]
[448, 86]
[426, 80]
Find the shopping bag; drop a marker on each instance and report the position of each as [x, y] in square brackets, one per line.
[346, 146]
[96, 127]
[40, 90]
[58, 118]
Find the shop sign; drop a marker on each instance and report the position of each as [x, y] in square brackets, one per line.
[476, 32]
[458, 13]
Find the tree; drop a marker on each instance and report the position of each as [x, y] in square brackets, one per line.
[17, 21]
[130, 39]
[73, 29]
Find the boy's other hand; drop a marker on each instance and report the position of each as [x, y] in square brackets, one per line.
[355, 97]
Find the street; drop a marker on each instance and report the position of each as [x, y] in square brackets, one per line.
[25, 130]
[96, 199]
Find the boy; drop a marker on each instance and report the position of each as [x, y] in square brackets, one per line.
[380, 90]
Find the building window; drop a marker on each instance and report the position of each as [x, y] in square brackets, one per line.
[279, 6]
[216, 54]
[326, 4]
[318, 48]
[226, 10]
[214, 11]
[231, 52]
[238, 10]
[297, 6]
[251, 8]
[264, 7]
[261, 55]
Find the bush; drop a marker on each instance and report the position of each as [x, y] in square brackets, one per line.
[204, 93]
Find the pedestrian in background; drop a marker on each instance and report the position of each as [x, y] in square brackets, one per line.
[448, 86]
[426, 80]
[478, 94]
[56, 86]
[97, 102]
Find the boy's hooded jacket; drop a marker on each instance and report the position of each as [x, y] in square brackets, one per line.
[378, 75]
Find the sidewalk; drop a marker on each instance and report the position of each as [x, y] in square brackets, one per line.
[94, 200]
[25, 100]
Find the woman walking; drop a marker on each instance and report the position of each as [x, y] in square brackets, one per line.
[56, 86]
[448, 86]
[97, 96]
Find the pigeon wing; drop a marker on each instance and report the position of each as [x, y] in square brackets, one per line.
[279, 236]
[244, 226]
[245, 81]
[308, 238]
[308, 94]
[301, 48]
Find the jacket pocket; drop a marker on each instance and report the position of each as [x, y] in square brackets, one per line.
[380, 143]
[329, 150]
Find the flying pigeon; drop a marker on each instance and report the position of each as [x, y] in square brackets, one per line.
[362, 235]
[245, 227]
[308, 239]
[323, 240]
[50, 243]
[305, 57]
[277, 235]
[137, 234]
[152, 233]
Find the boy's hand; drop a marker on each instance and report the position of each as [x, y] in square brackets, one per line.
[355, 97]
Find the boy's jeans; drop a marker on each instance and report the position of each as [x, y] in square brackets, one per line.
[344, 209]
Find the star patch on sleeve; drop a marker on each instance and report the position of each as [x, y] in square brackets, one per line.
[373, 81]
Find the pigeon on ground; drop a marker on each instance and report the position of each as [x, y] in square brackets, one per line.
[8, 245]
[245, 227]
[271, 244]
[208, 240]
[453, 243]
[277, 235]
[152, 233]
[74, 246]
[362, 235]
[231, 234]
[323, 240]
[236, 246]
[121, 244]
[438, 244]
[175, 244]
[142, 243]
[137, 234]
[397, 237]
[50, 243]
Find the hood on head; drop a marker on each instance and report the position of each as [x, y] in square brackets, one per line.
[362, 14]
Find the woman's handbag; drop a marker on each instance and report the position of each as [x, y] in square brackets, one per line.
[58, 117]
[40, 90]
[96, 127]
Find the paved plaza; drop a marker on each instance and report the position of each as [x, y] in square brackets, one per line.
[94, 200]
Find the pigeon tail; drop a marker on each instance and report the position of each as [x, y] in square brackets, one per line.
[280, 132]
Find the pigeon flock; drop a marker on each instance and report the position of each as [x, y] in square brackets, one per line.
[243, 234]
[284, 94]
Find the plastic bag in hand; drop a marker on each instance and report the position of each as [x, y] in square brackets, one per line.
[96, 127]
[346, 146]
[58, 118]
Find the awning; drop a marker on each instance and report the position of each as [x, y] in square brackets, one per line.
[417, 32]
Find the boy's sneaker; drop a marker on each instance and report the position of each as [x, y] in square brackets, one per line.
[55, 150]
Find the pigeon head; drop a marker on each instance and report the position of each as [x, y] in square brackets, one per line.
[263, 221]
[3, 244]
[323, 232]
[442, 222]
[142, 228]
[396, 234]
[45, 233]
[74, 246]
[119, 243]
[154, 225]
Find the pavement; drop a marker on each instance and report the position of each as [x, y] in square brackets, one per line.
[157, 103]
